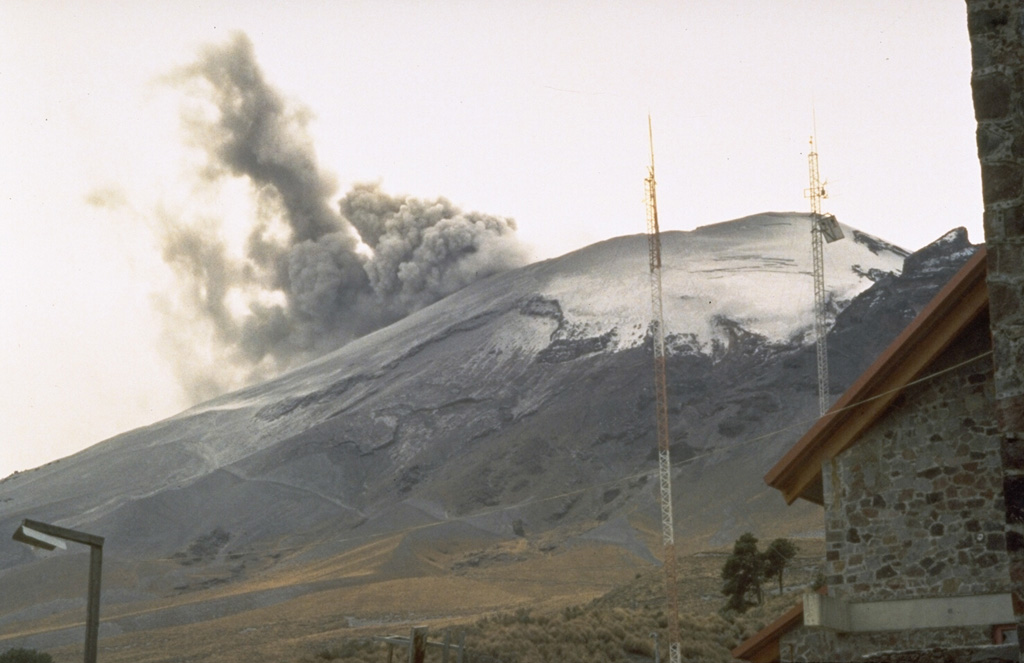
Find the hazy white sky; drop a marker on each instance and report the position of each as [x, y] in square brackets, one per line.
[534, 110]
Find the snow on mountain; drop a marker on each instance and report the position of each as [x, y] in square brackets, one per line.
[754, 271]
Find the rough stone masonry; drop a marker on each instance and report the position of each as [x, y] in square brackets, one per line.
[996, 29]
[915, 509]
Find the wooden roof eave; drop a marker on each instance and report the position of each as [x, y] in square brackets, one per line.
[763, 646]
[798, 473]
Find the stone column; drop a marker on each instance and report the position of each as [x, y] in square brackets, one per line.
[996, 29]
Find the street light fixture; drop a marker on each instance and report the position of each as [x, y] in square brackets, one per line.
[51, 537]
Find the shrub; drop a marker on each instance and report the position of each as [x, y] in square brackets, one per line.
[20, 655]
[639, 646]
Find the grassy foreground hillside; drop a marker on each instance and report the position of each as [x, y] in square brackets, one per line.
[516, 601]
[615, 628]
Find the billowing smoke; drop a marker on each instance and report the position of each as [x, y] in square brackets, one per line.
[313, 273]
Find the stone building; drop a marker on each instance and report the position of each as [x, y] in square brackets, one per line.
[907, 467]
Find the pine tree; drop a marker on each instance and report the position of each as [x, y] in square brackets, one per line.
[777, 557]
[742, 574]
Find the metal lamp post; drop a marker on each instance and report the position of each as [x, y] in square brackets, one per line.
[49, 537]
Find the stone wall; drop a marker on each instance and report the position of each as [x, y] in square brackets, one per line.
[996, 28]
[805, 645]
[915, 508]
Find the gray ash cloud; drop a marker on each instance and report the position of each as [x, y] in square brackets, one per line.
[315, 272]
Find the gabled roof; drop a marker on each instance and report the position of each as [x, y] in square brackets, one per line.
[961, 301]
[763, 646]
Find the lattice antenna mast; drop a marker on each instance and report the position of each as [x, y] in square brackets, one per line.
[824, 228]
[661, 408]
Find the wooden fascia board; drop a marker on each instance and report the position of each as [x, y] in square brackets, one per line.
[798, 473]
[771, 653]
[763, 647]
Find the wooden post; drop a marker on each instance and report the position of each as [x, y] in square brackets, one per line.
[462, 648]
[92, 620]
[418, 644]
[391, 653]
[447, 643]
[45, 535]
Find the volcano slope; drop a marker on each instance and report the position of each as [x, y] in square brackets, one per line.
[503, 436]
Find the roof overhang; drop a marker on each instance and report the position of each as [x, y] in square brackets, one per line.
[763, 646]
[960, 302]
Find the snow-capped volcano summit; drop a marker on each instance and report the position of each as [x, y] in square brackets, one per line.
[754, 272]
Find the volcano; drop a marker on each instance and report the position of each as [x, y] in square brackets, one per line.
[519, 409]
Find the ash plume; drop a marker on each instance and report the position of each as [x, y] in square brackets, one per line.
[314, 273]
